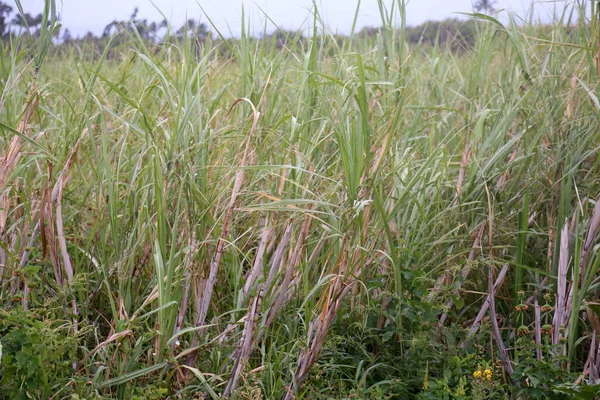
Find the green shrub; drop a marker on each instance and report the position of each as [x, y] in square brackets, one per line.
[37, 355]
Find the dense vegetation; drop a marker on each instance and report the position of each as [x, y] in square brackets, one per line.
[312, 216]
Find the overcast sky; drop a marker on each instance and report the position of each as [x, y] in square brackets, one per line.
[81, 16]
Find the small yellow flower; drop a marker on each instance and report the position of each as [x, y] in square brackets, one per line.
[484, 375]
[488, 374]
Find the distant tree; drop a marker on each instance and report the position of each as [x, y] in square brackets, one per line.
[486, 6]
[285, 38]
[66, 37]
[193, 30]
[108, 29]
[89, 37]
[5, 11]
[368, 31]
[146, 31]
[164, 24]
[27, 20]
[133, 16]
[202, 31]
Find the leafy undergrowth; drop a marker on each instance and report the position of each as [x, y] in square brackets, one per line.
[329, 217]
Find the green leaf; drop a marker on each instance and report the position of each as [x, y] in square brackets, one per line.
[459, 302]
[132, 375]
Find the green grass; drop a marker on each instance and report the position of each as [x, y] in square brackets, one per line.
[257, 220]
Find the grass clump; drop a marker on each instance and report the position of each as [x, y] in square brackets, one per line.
[302, 216]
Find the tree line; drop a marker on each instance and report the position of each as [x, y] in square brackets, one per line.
[149, 31]
[456, 33]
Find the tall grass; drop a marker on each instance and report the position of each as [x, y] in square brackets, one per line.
[309, 219]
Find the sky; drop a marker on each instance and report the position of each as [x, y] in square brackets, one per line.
[81, 16]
